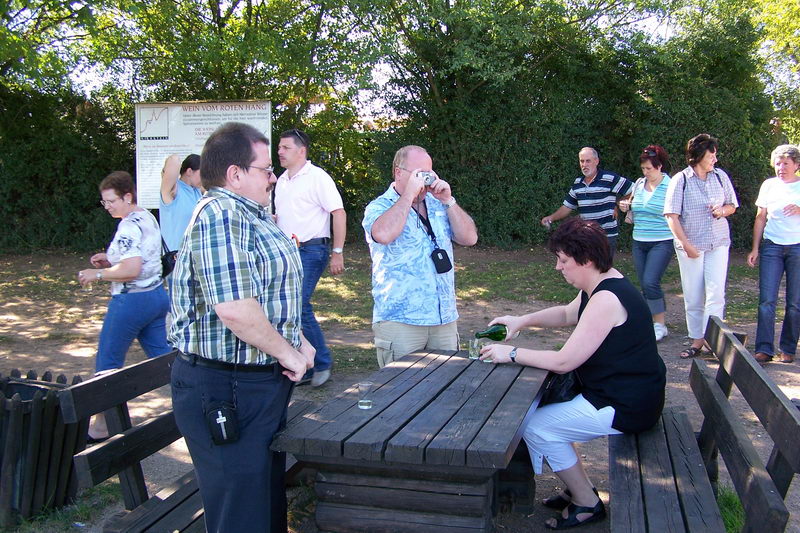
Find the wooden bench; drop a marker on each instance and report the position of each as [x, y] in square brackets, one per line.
[664, 479]
[178, 506]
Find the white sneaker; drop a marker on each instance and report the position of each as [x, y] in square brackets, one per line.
[660, 330]
[320, 377]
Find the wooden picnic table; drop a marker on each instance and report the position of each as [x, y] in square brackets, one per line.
[426, 457]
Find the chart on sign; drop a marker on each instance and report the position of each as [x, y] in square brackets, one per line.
[182, 128]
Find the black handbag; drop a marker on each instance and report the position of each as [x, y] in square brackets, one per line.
[167, 259]
[560, 388]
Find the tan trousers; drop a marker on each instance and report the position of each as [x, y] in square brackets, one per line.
[393, 340]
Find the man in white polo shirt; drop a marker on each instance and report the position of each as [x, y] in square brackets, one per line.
[305, 200]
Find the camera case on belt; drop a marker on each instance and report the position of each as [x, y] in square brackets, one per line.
[223, 424]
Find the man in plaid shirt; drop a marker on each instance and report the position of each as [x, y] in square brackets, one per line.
[236, 305]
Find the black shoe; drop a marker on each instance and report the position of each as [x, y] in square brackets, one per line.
[95, 440]
[558, 503]
[598, 512]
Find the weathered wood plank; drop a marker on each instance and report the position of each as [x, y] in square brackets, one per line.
[126, 449]
[342, 518]
[449, 447]
[31, 452]
[662, 508]
[772, 407]
[13, 406]
[698, 504]
[370, 440]
[433, 500]
[326, 430]
[494, 445]
[156, 507]
[624, 478]
[49, 414]
[763, 505]
[409, 444]
[105, 391]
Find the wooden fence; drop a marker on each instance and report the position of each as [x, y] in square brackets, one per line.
[36, 470]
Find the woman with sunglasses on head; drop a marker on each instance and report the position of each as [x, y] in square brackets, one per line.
[652, 238]
[778, 222]
[699, 200]
[132, 264]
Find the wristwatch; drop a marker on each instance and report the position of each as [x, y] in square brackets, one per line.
[99, 275]
[513, 355]
[451, 203]
[337, 250]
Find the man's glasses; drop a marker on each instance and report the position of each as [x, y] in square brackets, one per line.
[268, 170]
[106, 203]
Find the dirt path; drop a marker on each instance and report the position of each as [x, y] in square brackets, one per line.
[34, 334]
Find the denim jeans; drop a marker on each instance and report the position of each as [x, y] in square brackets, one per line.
[651, 260]
[774, 260]
[314, 258]
[133, 315]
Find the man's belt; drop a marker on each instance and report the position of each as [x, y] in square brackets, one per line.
[318, 240]
[194, 359]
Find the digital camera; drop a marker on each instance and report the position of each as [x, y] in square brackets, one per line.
[429, 177]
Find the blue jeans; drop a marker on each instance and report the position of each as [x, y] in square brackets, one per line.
[651, 260]
[774, 260]
[241, 483]
[314, 258]
[133, 315]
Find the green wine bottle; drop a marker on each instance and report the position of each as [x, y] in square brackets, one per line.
[496, 332]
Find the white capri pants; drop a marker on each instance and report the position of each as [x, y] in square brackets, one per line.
[703, 282]
[553, 428]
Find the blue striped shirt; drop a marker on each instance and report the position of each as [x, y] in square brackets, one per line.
[233, 251]
[649, 222]
[598, 200]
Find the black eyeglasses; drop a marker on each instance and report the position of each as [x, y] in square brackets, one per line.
[650, 153]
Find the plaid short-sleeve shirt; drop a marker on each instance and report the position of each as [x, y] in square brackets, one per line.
[234, 251]
[693, 198]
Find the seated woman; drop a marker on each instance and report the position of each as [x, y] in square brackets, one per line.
[613, 352]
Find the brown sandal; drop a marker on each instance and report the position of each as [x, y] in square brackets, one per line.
[761, 357]
[786, 358]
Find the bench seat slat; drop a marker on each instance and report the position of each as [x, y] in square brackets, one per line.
[662, 509]
[627, 512]
[700, 510]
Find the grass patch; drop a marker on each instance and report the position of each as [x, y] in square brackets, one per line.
[346, 300]
[731, 509]
[351, 358]
[86, 508]
[513, 281]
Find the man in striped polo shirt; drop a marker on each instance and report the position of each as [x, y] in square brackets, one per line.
[594, 194]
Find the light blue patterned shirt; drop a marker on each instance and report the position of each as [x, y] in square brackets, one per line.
[405, 285]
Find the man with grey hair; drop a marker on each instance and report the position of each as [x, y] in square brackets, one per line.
[410, 230]
[594, 193]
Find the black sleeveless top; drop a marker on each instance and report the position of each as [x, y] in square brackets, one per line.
[626, 372]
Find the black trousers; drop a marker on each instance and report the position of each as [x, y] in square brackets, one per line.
[242, 483]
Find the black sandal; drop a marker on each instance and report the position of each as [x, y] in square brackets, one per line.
[558, 503]
[598, 512]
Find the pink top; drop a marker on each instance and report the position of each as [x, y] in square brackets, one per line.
[305, 201]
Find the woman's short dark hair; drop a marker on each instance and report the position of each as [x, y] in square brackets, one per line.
[656, 156]
[697, 147]
[121, 183]
[230, 144]
[192, 161]
[583, 241]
